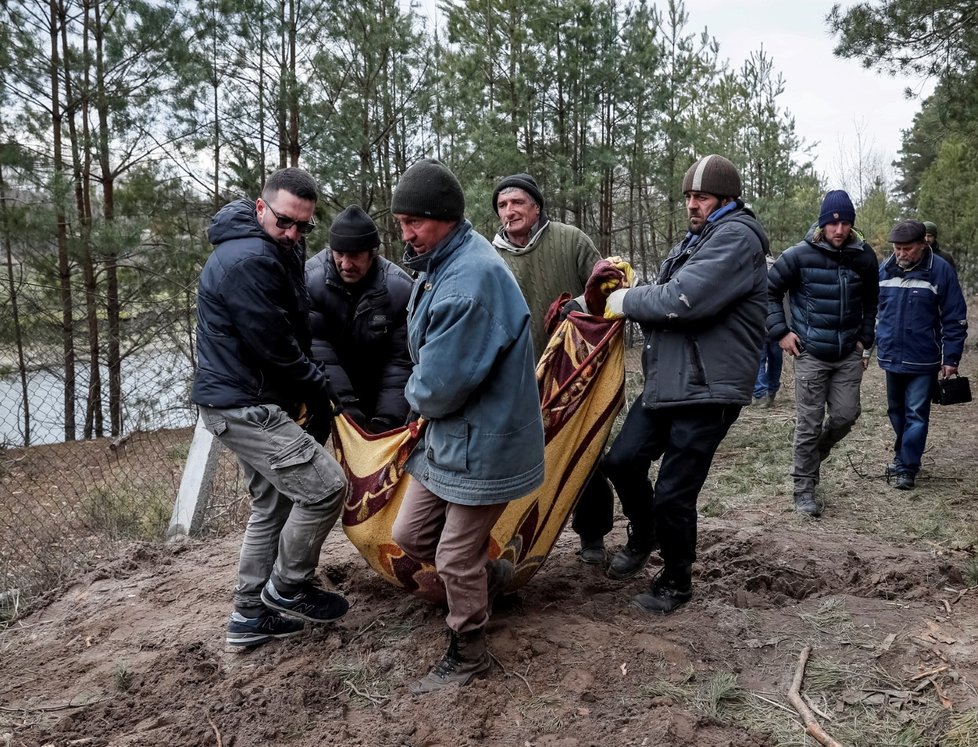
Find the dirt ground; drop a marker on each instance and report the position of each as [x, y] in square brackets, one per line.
[884, 588]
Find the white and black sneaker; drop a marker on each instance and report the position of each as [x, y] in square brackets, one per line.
[247, 632]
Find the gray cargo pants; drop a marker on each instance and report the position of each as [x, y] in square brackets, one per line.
[296, 496]
[821, 386]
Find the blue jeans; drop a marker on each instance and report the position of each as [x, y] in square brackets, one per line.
[769, 374]
[908, 407]
[686, 437]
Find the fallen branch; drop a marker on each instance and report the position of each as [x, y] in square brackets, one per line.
[507, 674]
[217, 733]
[931, 673]
[808, 718]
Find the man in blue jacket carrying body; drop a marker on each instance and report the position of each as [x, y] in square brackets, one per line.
[473, 380]
[920, 332]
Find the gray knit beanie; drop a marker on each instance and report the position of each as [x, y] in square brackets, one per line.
[520, 181]
[714, 175]
[353, 231]
[429, 190]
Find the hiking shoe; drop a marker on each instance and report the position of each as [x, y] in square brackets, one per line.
[893, 469]
[805, 503]
[466, 659]
[246, 632]
[905, 481]
[592, 552]
[669, 590]
[770, 400]
[309, 603]
[631, 559]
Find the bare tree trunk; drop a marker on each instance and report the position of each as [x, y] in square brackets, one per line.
[293, 92]
[15, 308]
[82, 174]
[113, 325]
[64, 266]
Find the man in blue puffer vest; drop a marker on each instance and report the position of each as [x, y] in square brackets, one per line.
[920, 332]
[832, 283]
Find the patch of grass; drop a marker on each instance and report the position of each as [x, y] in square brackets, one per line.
[823, 674]
[722, 691]
[714, 507]
[178, 452]
[358, 680]
[971, 572]
[121, 514]
[831, 618]
[10, 605]
[681, 692]
[963, 731]
[398, 629]
[930, 524]
[123, 675]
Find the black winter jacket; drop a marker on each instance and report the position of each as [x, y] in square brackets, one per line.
[703, 318]
[362, 339]
[253, 340]
[833, 295]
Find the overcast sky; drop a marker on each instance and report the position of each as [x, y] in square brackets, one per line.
[836, 102]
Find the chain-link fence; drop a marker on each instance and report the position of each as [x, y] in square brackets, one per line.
[65, 503]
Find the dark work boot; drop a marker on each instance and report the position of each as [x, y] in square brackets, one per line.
[632, 558]
[672, 588]
[805, 503]
[466, 659]
[592, 551]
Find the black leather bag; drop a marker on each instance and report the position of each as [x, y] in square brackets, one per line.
[953, 390]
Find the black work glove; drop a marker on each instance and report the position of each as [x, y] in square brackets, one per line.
[411, 417]
[381, 424]
[352, 408]
[319, 422]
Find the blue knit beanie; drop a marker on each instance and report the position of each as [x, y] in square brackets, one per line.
[836, 207]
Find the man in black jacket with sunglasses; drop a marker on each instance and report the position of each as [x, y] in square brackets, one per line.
[255, 375]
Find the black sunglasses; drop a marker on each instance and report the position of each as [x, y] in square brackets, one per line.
[285, 223]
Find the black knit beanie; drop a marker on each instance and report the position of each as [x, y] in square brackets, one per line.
[429, 190]
[521, 181]
[714, 175]
[931, 228]
[353, 231]
[836, 206]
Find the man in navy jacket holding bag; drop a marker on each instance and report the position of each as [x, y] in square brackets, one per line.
[920, 332]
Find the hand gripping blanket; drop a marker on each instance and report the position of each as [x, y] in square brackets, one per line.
[581, 382]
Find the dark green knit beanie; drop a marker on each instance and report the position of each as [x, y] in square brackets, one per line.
[429, 190]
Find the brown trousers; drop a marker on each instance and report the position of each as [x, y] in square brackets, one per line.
[455, 538]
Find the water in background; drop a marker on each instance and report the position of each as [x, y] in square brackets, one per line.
[155, 394]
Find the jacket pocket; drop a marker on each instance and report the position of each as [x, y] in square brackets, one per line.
[697, 368]
[214, 422]
[448, 444]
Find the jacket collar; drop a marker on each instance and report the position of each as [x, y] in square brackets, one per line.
[501, 239]
[429, 261]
